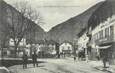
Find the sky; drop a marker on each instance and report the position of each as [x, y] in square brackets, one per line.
[54, 12]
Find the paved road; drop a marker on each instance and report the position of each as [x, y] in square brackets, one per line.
[57, 66]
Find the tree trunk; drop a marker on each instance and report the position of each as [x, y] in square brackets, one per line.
[1, 62]
[15, 48]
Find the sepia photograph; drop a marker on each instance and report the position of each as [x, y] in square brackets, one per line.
[57, 36]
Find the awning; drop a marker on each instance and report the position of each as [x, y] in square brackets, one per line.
[103, 47]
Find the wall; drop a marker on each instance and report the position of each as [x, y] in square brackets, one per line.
[22, 42]
[82, 41]
[65, 46]
[96, 38]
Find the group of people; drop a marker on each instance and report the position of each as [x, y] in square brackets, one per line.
[25, 59]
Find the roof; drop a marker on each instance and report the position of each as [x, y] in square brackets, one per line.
[66, 42]
[101, 14]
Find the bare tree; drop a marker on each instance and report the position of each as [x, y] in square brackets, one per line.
[19, 22]
[28, 11]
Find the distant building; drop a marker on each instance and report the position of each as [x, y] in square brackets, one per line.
[22, 42]
[21, 47]
[9, 50]
[66, 47]
[46, 47]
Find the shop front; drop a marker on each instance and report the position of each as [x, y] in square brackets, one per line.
[107, 51]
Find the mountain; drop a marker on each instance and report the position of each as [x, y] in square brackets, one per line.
[5, 10]
[70, 28]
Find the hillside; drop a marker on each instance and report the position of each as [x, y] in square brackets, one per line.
[70, 28]
[4, 7]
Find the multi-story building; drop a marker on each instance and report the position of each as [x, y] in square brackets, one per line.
[99, 36]
[102, 30]
[83, 39]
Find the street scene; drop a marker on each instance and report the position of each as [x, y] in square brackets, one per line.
[57, 36]
[59, 66]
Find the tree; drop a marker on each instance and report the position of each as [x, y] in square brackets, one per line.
[19, 22]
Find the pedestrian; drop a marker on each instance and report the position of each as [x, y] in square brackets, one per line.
[98, 58]
[64, 54]
[25, 60]
[79, 55]
[104, 56]
[104, 61]
[74, 58]
[34, 58]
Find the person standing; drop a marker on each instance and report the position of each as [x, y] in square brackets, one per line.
[34, 58]
[104, 56]
[74, 58]
[25, 60]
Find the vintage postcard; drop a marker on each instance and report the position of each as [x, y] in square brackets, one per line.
[57, 36]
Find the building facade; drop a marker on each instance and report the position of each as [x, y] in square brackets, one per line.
[103, 38]
[102, 31]
[46, 48]
[20, 49]
[66, 48]
[82, 40]
[83, 48]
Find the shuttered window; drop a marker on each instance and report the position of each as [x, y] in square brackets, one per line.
[107, 32]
